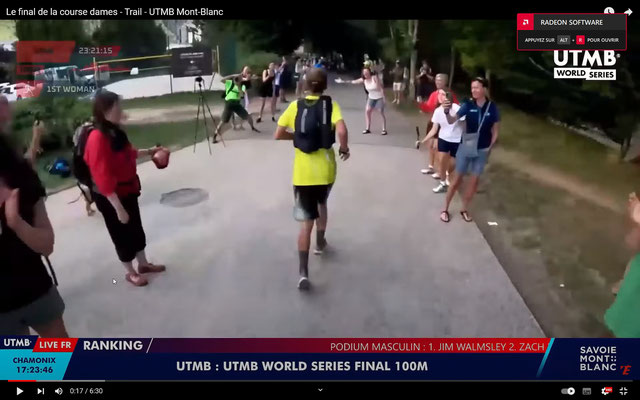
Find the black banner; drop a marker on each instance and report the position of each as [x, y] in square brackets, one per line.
[191, 62]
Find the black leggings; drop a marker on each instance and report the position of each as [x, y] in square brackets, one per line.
[129, 238]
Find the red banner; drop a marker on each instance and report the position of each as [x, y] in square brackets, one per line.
[44, 51]
[55, 345]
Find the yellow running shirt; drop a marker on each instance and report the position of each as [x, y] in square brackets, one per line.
[319, 167]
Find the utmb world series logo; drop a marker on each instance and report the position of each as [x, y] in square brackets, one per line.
[579, 64]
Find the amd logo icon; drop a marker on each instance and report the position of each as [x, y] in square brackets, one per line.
[581, 65]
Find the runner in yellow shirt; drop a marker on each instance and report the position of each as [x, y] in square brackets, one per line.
[315, 121]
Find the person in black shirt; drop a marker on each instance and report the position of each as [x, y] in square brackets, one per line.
[267, 91]
[28, 297]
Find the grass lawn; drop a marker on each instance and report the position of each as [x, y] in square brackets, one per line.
[559, 240]
[562, 252]
[576, 155]
[557, 147]
[174, 134]
[176, 99]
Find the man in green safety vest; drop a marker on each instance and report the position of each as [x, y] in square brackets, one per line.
[233, 91]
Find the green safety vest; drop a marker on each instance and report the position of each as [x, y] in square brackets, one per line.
[231, 90]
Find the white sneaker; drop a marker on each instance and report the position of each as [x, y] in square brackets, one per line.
[303, 283]
[427, 171]
[441, 188]
[436, 176]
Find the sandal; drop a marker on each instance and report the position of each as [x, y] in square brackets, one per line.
[151, 268]
[465, 216]
[366, 131]
[446, 216]
[136, 280]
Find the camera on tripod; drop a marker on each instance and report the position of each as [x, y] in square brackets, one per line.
[204, 106]
[199, 80]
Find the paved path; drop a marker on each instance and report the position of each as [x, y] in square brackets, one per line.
[394, 270]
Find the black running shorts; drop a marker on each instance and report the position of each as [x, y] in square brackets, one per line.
[307, 200]
[231, 107]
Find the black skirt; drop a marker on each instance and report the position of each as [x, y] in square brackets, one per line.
[129, 238]
[266, 89]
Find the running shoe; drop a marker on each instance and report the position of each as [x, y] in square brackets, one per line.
[303, 283]
[428, 171]
[436, 176]
[320, 249]
[441, 188]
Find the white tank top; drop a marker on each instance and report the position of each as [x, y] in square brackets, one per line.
[372, 87]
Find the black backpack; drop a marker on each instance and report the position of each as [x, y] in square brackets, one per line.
[313, 129]
[78, 165]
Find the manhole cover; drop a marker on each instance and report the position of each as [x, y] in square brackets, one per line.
[184, 197]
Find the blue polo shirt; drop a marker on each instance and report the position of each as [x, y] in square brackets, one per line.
[474, 115]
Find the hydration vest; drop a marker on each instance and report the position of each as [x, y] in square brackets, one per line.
[313, 129]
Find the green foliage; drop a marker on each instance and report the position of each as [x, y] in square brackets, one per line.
[137, 37]
[398, 44]
[484, 45]
[526, 79]
[284, 36]
[52, 30]
[279, 36]
[258, 61]
[59, 114]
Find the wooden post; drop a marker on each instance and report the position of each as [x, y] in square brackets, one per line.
[95, 73]
[453, 65]
[218, 57]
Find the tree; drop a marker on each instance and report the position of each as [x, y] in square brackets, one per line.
[136, 37]
[402, 44]
[485, 47]
[278, 36]
[284, 36]
[413, 32]
[52, 30]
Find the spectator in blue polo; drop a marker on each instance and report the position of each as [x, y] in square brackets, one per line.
[482, 123]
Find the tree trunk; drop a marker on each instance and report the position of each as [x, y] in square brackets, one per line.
[453, 65]
[487, 75]
[414, 59]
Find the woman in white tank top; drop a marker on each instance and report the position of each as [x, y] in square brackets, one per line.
[375, 97]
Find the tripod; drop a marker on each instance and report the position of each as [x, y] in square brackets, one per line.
[202, 103]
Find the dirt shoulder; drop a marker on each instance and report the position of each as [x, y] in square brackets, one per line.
[558, 238]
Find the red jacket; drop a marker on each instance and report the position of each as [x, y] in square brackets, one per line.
[430, 105]
[112, 172]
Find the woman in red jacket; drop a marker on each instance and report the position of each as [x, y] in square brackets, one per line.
[112, 161]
